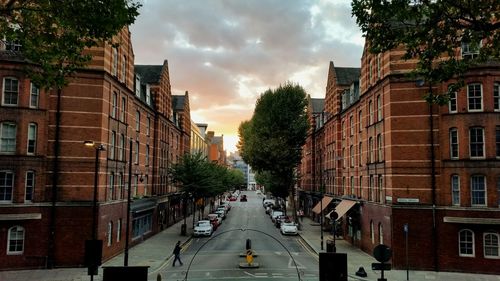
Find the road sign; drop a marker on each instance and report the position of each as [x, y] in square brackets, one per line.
[381, 266]
[382, 253]
[249, 256]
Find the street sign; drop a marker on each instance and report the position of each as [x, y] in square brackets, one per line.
[381, 266]
[382, 253]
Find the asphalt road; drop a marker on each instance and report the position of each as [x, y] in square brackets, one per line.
[218, 257]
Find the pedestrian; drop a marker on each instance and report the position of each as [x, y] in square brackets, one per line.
[177, 253]
[301, 215]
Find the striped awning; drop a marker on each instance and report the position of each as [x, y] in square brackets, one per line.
[342, 208]
[323, 203]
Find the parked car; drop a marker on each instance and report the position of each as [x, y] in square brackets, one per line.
[215, 220]
[221, 213]
[281, 219]
[267, 202]
[203, 228]
[243, 198]
[289, 228]
[275, 214]
[232, 198]
[258, 192]
[226, 206]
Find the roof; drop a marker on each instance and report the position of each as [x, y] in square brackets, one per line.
[317, 104]
[149, 73]
[217, 140]
[178, 102]
[347, 75]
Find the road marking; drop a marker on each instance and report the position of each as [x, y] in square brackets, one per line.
[308, 249]
[291, 264]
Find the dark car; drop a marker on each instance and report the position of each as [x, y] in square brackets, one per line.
[243, 198]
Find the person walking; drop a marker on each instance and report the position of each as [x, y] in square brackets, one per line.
[177, 253]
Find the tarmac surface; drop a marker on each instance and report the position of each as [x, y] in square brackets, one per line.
[156, 252]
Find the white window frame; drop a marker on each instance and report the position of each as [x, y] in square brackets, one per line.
[379, 108]
[476, 142]
[380, 152]
[147, 155]
[468, 242]
[452, 103]
[121, 148]
[370, 112]
[32, 137]
[380, 233]
[360, 117]
[474, 190]
[124, 69]
[455, 190]
[370, 150]
[379, 66]
[18, 229]
[454, 143]
[8, 173]
[136, 155]
[123, 109]
[7, 141]
[497, 246]
[114, 66]
[372, 232]
[466, 52]
[109, 233]
[29, 185]
[114, 105]
[12, 92]
[469, 97]
[148, 126]
[111, 186]
[118, 230]
[34, 95]
[496, 96]
[112, 145]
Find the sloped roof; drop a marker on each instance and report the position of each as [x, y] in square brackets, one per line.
[347, 75]
[149, 73]
[178, 102]
[317, 105]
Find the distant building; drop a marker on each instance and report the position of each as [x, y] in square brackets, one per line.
[216, 152]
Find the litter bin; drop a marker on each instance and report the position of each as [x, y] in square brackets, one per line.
[330, 246]
[183, 229]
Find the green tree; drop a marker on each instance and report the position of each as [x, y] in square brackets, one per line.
[431, 32]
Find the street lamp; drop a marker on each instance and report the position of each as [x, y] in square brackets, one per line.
[93, 251]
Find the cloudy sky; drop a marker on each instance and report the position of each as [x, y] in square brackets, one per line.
[226, 53]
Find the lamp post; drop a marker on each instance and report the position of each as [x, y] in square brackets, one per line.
[93, 266]
[129, 193]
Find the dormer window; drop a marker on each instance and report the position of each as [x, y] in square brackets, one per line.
[470, 50]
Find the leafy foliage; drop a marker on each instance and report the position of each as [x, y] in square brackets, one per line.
[271, 141]
[53, 34]
[432, 31]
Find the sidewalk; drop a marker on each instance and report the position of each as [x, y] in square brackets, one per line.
[311, 233]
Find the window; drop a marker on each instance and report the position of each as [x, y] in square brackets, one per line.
[360, 155]
[351, 125]
[121, 148]
[148, 95]
[453, 143]
[352, 186]
[478, 190]
[114, 106]
[29, 186]
[112, 145]
[111, 194]
[466, 243]
[343, 186]
[344, 159]
[476, 136]
[134, 186]
[372, 232]
[491, 245]
[124, 69]
[137, 121]
[34, 95]
[32, 132]
[381, 189]
[360, 118]
[8, 137]
[342, 128]
[114, 67]
[497, 141]
[496, 96]
[147, 155]
[470, 50]
[380, 154]
[452, 103]
[475, 97]
[148, 126]
[379, 108]
[370, 150]
[455, 190]
[118, 230]
[360, 192]
[370, 70]
[498, 191]
[370, 189]
[123, 111]
[136, 152]
[10, 91]
[6, 185]
[15, 241]
[379, 69]
[351, 155]
[13, 46]
[110, 233]
[119, 184]
[380, 233]
[370, 111]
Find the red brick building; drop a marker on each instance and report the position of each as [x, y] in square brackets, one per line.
[398, 161]
[45, 217]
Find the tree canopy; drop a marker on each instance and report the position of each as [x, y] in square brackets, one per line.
[432, 31]
[272, 140]
[54, 33]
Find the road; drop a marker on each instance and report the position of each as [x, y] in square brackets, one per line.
[218, 257]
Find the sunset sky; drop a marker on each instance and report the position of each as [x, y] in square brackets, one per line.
[226, 53]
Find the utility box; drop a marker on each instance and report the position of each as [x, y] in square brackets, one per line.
[120, 273]
[332, 267]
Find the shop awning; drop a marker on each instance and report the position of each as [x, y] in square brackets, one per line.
[323, 203]
[342, 208]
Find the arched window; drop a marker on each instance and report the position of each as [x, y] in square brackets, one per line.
[466, 243]
[15, 240]
[490, 243]
[380, 233]
[110, 233]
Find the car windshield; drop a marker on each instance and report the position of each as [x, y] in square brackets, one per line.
[288, 224]
[203, 223]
